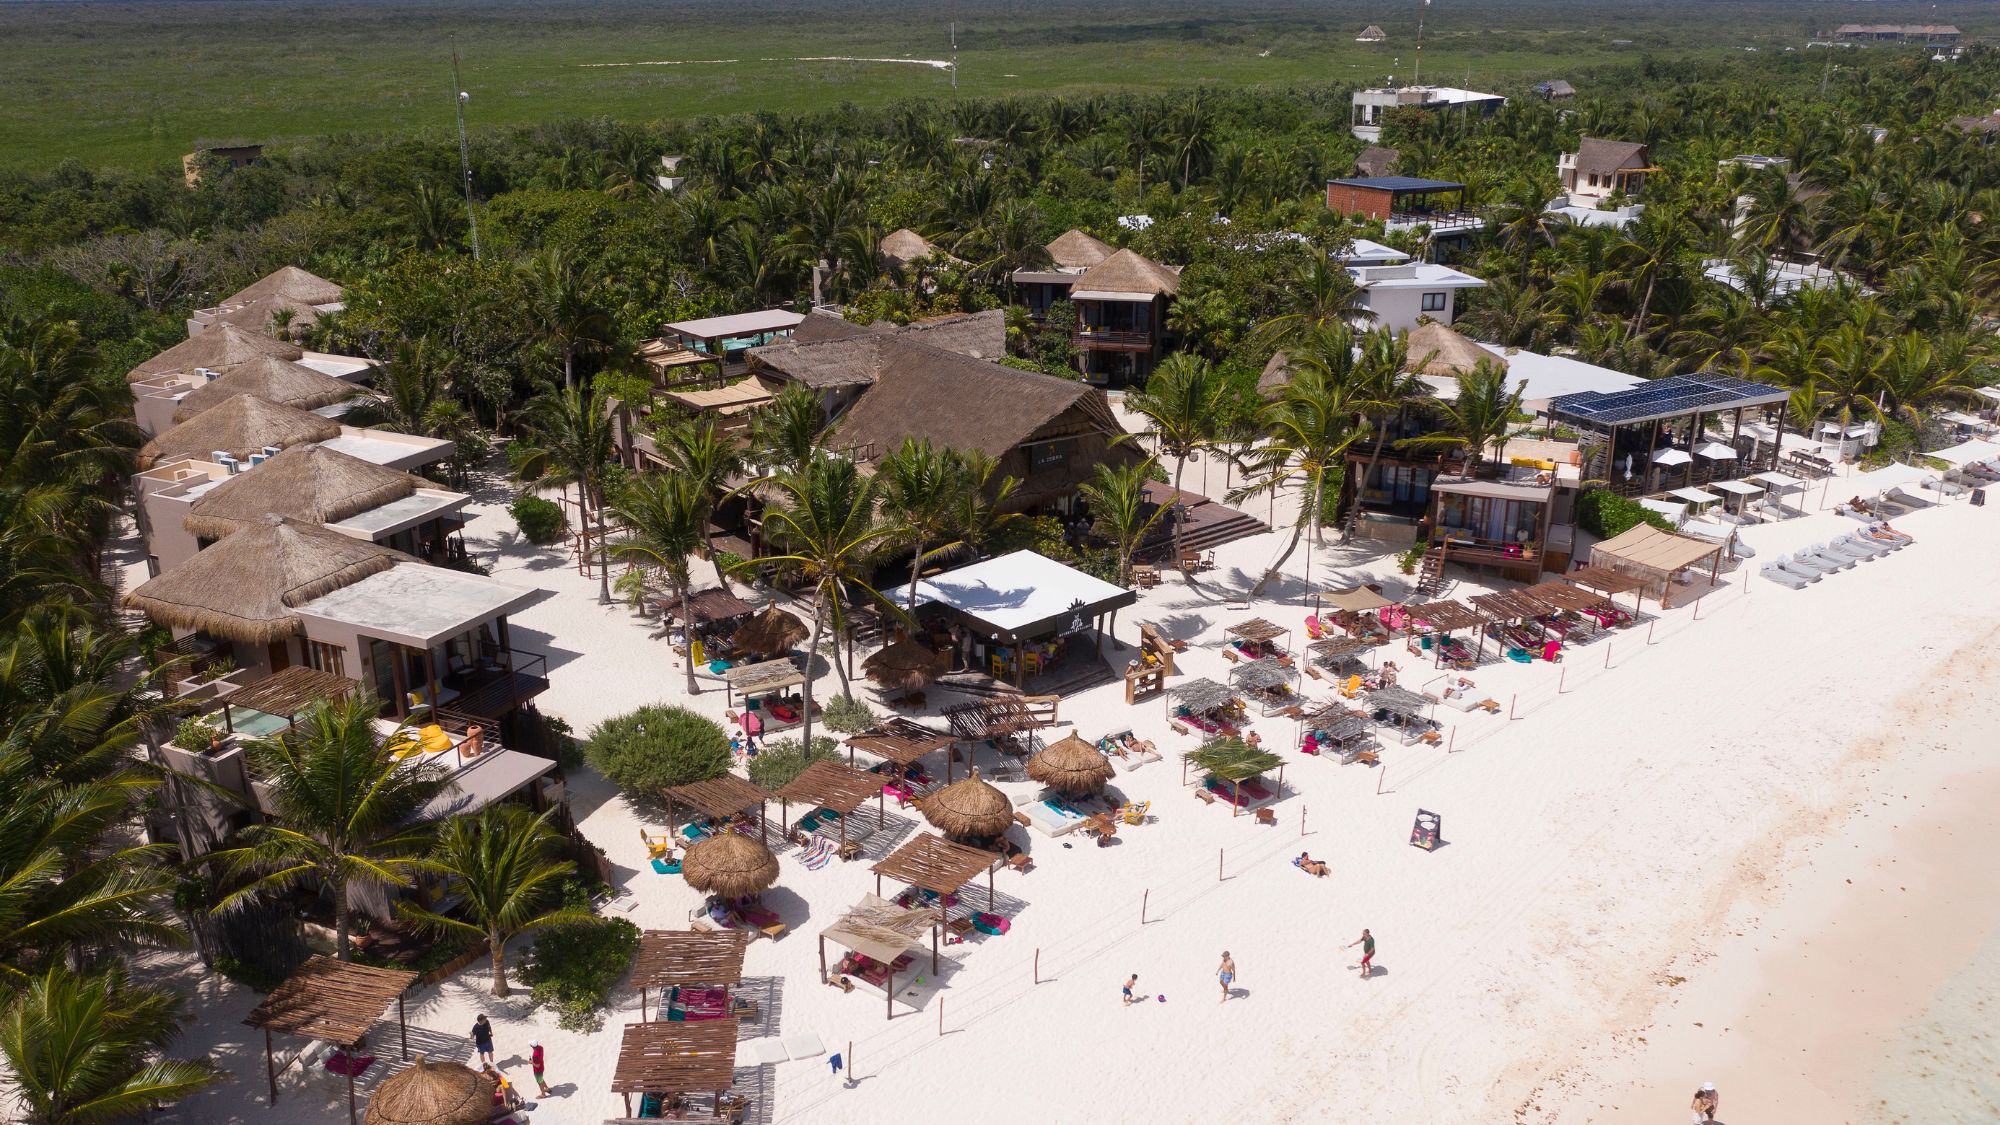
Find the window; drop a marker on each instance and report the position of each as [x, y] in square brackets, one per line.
[326, 657]
[1436, 302]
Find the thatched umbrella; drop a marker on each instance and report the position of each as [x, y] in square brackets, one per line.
[239, 427]
[906, 666]
[432, 1093]
[770, 632]
[1437, 350]
[969, 810]
[1072, 766]
[730, 863]
[245, 587]
[271, 379]
[218, 346]
[309, 483]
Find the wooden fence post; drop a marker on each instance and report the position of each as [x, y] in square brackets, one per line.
[1381, 772]
[1218, 865]
[1038, 964]
[1148, 893]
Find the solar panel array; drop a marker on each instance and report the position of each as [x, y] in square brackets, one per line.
[1664, 398]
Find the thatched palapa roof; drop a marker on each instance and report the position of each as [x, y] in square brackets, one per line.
[272, 379]
[836, 353]
[239, 426]
[903, 246]
[1129, 272]
[1437, 350]
[245, 587]
[730, 863]
[769, 633]
[906, 666]
[1276, 377]
[221, 346]
[262, 315]
[309, 483]
[1376, 160]
[1605, 157]
[432, 1093]
[1071, 766]
[292, 283]
[970, 809]
[961, 402]
[1075, 250]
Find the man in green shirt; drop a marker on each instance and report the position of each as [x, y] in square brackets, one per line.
[1367, 943]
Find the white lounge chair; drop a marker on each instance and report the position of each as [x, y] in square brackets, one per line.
[1785, 578]
[1796, 567]
[1803, 563]
[1845, 549]
[1819, 554]
[1943, 487]
[1907, 500]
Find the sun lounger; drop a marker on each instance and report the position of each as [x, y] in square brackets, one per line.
[1817, 553]
[1944, 487]
[1802, 562]
[1907, 500]
[1784, 577]
[1849, 548]
[1802, 568]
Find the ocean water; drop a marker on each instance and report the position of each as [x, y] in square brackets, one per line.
[1944, 1065]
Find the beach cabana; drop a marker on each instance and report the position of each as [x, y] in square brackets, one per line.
[770, 633]
[432, 1093]
[237, 427]
[906, 666]
[706, 608]
[1072, 767]
[830, 787]
[1335, 727]
[1268, 681]
[939, 868]
[1440, 620]
[1657, 556]
[1205, 704]
[901, 743]
[1402, 708]
[766, 677]
[1233, 767]
[337, 1002]
[1608, 582]
[881, 937]
[674, 1059]
[1254, 638]
[730, 864]
[969, 810]
[1338, 655]
[720, 799]
[670, 959]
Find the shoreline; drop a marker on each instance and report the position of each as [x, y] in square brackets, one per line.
[1820, 986]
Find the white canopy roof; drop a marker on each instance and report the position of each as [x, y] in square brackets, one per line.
[1962, 418]
[1695, 495]
[1672, 457]
[1779, 481]
[1966, 452]
[738, 324]
[1020, 593]
[1667, 508]
[1715, 451]
[1736, 486]
[1991, 392]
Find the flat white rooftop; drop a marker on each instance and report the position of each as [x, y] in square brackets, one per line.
[1415, 275]
[1365, 252]
[400, 451]
[349, 367]
[1020, 591]
[738, 324]
[421, 506]
[419, 605]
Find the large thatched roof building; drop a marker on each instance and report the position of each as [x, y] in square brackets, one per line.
[1436, 350]
[309, 483]
[1075, 250]
[904, 247]
[272, 379]
[238, 426]
[297, 295]
[1128, 272]
[224, 347]
[245, 587]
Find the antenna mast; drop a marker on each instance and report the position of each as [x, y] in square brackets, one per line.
[1417, 71]
[459, 97]
[954, 55]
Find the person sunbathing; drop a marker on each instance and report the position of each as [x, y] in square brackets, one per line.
[1311, 866]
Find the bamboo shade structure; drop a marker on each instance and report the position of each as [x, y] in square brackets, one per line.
[1447, 617]
[292, 690]
[1260, 675]
[935, 864]
[676, 1057]
[833, 786]
[900, 741]
[1201, 694]
[1512, 605]
[1257, 629]
[1339, 646]
[768, 675]
[337, 1001]
[1564, 596]
[1400, 700]
[1604, 580]
[719, 797]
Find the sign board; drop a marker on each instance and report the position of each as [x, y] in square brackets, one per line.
[1426, 833]
[1079, 619]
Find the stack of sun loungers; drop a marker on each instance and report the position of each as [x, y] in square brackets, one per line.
[1803, 568]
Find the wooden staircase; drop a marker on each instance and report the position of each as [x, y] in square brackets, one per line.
[1430, 575]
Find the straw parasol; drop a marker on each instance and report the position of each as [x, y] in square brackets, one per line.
[245, 587]
[770, 632]
[240, 426]
[1071, 766]
[907, 665]
[309, 482]
[1445, 353]
[220, 346]
[432, 1093]
[730, 863]
[271, 379]
[969, 809]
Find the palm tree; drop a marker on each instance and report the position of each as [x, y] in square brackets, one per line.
[982, 508]
[825, 522]
[921, 488]
[566, 295]
[1120, 511]
[1308, 430]
[1182, 405]
[667, 513]
[571, 442]
[699, 450]
[502, 864]
[1483, 416]
[1649, 248]
[1320, 294]
[788, 432]
[345, 807]
[83, 1048]
[1385, 387]
[1523, 222]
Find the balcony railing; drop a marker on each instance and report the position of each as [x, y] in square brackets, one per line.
[489, 693]
[1112, 338]
[1439, 220]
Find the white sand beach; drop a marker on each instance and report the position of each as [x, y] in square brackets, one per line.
[1653, 844]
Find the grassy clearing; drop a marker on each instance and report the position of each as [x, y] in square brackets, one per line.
[126, 84]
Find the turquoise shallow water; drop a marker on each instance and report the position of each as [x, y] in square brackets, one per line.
[1945, 1064]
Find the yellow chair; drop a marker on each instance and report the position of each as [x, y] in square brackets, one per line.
[1352, 687]
[999, 667]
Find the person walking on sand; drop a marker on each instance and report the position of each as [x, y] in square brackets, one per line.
[482, 1039]
[536, 1062]
[1706, 1102]
[1367, 943]
[1225, 973]
[1129, 983]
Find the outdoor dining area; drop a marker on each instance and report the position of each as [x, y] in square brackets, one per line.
[1028, 617]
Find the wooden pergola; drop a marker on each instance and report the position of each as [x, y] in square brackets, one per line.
[1563, 596]
[1001, 716]
[287, 692]
[718, 798]
[690, 1057]
[881, 930]
[668, 959]
[830, 785]
[1513, 605]
[337, 1001]
[1608, 582]
[1447, 616]
[1257, 631]
[900, 741]
[760, 678]
[935, 864]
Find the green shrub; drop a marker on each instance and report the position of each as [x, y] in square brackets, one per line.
[541, 521]
[574, 968]
[786, 758]
[845, 714]
[657, 747]
[1409, 560]
[195, 736]
[1607, 515]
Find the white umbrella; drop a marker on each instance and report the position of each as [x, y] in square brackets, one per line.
[1695, 495]
[1672, 457]
[1715, 451]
